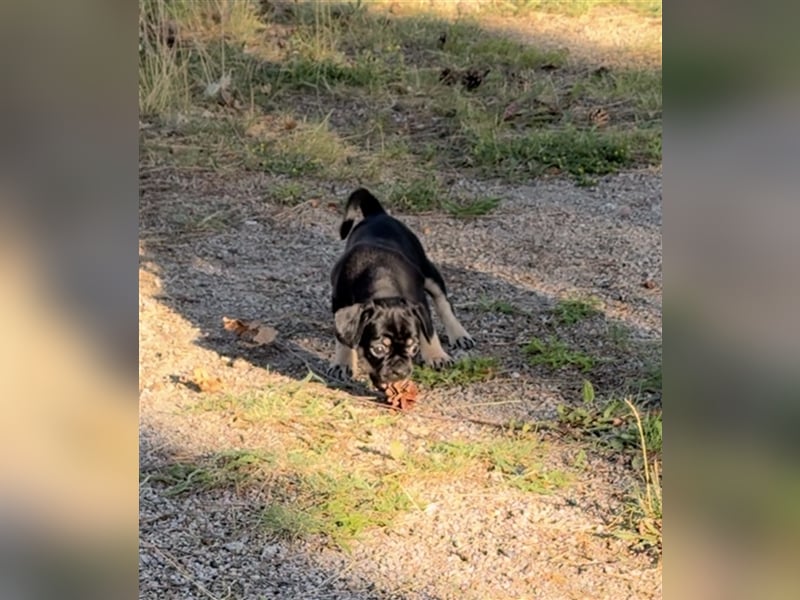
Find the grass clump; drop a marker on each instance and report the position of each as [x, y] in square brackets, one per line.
[307, 494]
[574, 310]
[421, 194]
[620, 426]
[515, 460]
[472, 208]
[645, 502]
[226, 469]
[581, 153]
[377, 84]
[649, 8]
[464, 372]
[556, 355]
[611, 423]
[498, 306]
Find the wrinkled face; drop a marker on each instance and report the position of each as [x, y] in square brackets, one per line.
[389, 343]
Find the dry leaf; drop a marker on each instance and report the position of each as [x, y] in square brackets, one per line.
[402, 394]
[264, 335]
[234, 325]
[205, 382]
[254, 332]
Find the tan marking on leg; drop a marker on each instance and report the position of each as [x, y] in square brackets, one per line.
[346, 357]
[432, 352]
[443, 308]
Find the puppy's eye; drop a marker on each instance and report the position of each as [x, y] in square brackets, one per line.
[379, 350]
[412, 349]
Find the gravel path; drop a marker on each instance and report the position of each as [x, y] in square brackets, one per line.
[210, 246]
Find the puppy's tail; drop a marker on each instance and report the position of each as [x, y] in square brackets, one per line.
[361, 200]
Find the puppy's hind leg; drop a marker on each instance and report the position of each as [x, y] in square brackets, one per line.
[344, 363]
[456, 334]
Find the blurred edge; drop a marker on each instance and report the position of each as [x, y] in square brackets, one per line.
[732, 255]
[68, 228]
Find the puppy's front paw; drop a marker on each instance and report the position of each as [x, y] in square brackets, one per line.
[440, 362]
[339, 372]
[465, 342]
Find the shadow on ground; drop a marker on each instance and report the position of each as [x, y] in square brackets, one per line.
[202, 530]
[271, 264]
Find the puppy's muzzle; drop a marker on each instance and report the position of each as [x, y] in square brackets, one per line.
[387, 375]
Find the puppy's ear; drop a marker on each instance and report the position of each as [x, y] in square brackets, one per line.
[423, 315]
[350, 321]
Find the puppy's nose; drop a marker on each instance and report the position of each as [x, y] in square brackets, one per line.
[401, 372]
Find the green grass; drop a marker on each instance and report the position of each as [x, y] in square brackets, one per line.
[498, 306]
[619, 426]
[574, 310]
[649, 8]
[516, 459]
[472, 208]
[581, 153]
[464, 372]
[611, 422]
[226, 469]
[645, 501]
[651, 381]
[556, 355]
[308, 494]
[619, 335]
[365, 90]
[289, 193]
[416, 195]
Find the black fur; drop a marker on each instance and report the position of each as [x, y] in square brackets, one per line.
[379, 288]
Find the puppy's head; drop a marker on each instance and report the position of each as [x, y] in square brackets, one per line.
[387, 332]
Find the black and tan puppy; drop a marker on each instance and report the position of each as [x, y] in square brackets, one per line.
[380, 306]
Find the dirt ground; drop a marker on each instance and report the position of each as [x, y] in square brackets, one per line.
[272, 263]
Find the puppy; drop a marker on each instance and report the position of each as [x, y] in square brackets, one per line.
[380, 308]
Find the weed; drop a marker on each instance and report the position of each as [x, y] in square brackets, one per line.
[645, 506]
[556, 354]
[290, 521]
[226, 469]
[417, 195]
[514, 459]
[498, 306]
[469, 44]
[619, 334]
[610, 423]
[571, 311]
[301, 148]
[651, 382]
[464, 372]
[321, 56]
[474, 208]
[581, 153]
[289, 193]
[650, 8]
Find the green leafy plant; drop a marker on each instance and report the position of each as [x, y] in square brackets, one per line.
[556, 354]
